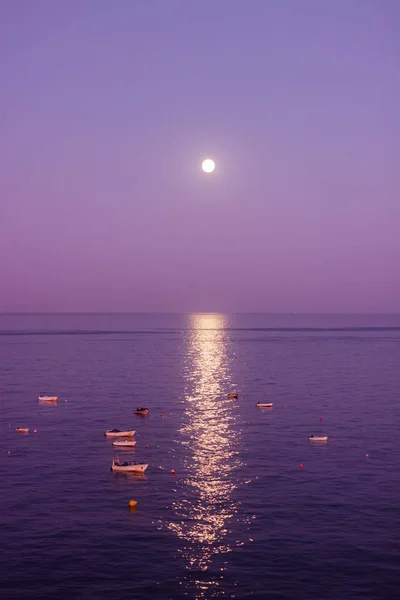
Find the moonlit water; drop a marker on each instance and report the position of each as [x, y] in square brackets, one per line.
[239, 518]
[212, 439]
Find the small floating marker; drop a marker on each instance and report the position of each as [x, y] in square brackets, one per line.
[333, 441]
[367, 456]
[9, 452]
[320, 419]
[35, 431]
[132, 503]
[172, 471]
[160, 414]
[301, 465]
[146, 446]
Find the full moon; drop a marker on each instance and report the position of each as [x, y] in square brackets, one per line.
[208, 165]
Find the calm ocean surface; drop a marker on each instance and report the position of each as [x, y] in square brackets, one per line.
[239, 519]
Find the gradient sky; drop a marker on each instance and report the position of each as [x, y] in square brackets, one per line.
[107, 109]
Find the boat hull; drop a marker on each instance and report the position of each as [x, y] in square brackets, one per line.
[114, 434]
[124, 444]
[264, 405]
[47, 398]
[129, 468]
[318, 439]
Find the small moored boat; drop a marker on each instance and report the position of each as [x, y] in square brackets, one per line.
[47, 398]
[233, 395]
[22, 429]
[313, 438]
[118, 433]
[128, 466]
[264, 404]
[141, 411]
[124, 443]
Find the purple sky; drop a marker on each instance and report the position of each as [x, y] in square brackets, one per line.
[107, 109]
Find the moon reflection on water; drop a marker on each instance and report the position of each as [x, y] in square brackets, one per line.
[211, 438]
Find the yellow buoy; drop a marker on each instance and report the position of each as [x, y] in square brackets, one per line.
[132, 503]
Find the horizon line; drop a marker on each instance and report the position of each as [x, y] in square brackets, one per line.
[288, 313]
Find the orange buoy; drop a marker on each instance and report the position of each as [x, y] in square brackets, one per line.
[301, 465]
[9, 452]
[35, 431]
[367, 456]
[146, 446]
[320, 419]
[173, 471]
[160, 414]
[132, 503]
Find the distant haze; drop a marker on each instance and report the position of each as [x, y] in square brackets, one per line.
[108, 109]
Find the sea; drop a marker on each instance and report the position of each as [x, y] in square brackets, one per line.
[235, 502]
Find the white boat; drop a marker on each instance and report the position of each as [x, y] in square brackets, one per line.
[264, 404]
[47, 398]
[124, 443]
[128, 466]
[22, 429]
[118, 433]
[313, 438]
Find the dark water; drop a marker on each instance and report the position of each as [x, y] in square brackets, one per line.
[239, 519]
